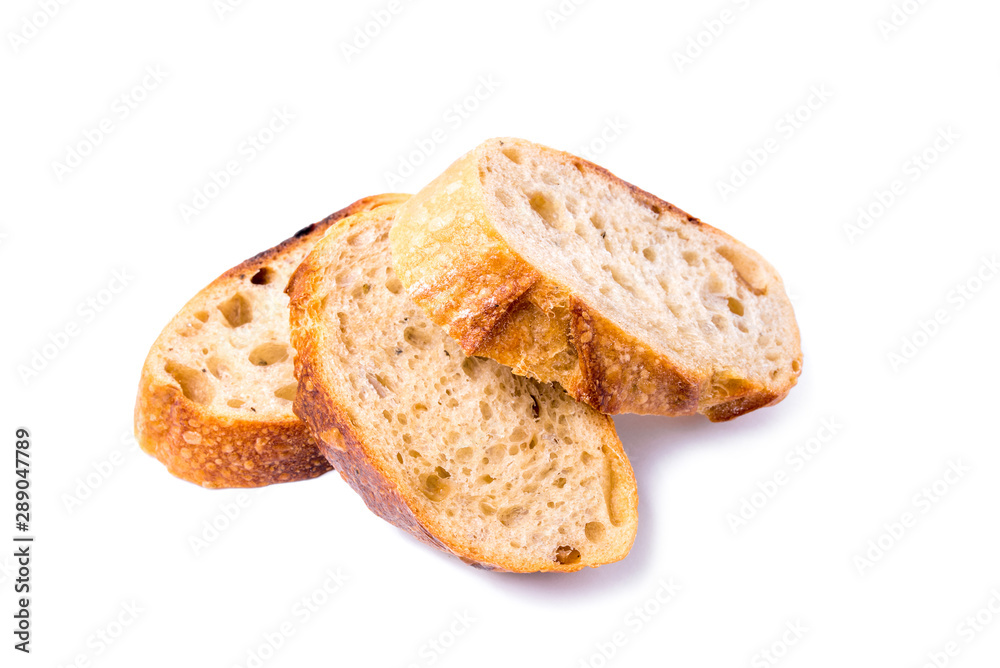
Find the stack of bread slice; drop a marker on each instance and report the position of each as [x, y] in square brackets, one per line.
[455, 355]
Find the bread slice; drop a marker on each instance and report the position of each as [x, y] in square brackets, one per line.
[500, 470]
[552, 265]
[215, 396]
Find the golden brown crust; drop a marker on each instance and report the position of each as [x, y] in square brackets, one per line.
[347, 447]
[195, 445]
[620, 373]
[215, 451]
[470, 281]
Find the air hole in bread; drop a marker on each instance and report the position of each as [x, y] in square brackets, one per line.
[360, 290]
[238, 342]
[287, 392]
[736, 306]
[381, 388]
[347, 277]
[216, 366]
[559, 482]
[393, 285]
[263, 276]
[487, 508]
[236, 310]
[506, 200]
[191, 329]
[567, 555]
[415, 337]
[267, 354]
[720, 322]
[747, 270]
[595, 531]
[434, 488]
[512, 515]
[234, 403]
[691, 257]
[202, 315]
[649, 253]
[622, 280]
[496, 452]
[485, 409]
[545, 208]
[194, 385]
[796, 366]
[663, 284]
[715, 283]
[730, 386]
[513, 155]
[363, 238]
[345, 336]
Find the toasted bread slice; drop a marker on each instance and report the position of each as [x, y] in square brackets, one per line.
[500, 470]
[552, 265]
[215, 396]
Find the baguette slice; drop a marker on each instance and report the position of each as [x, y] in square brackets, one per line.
[552, 265]
[500, 470]
[215, 396]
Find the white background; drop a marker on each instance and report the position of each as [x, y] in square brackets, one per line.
[679, 129]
